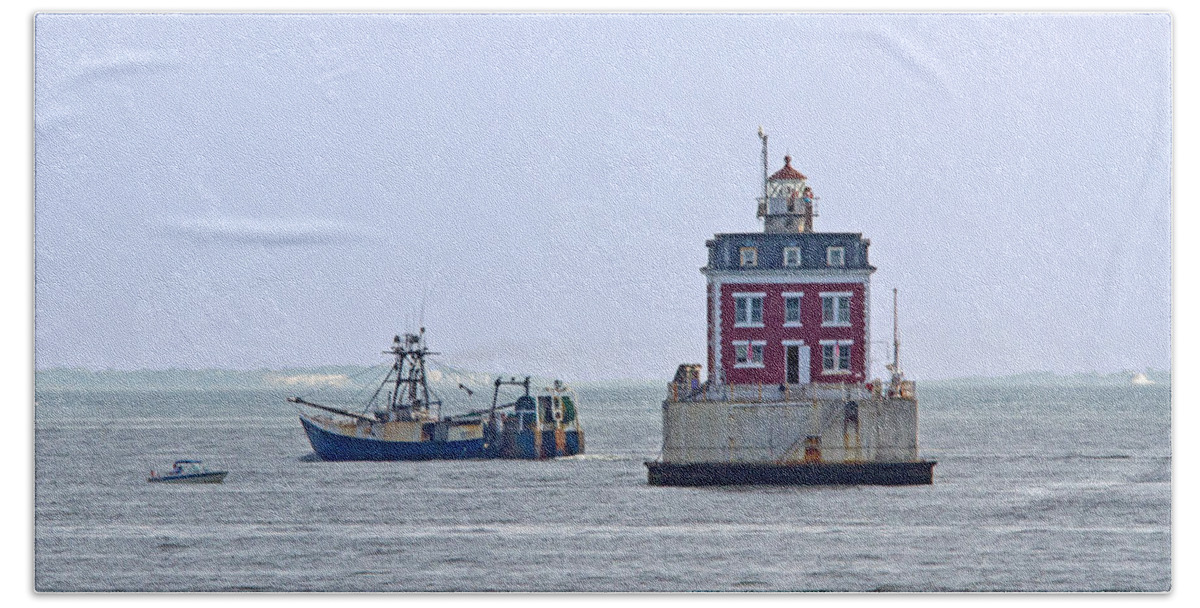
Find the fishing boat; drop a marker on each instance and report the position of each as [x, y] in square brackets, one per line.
[188, 471]
[408, 425]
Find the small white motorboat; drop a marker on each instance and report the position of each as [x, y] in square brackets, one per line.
[188, 471]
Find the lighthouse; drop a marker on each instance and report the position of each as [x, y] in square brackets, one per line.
[787, 397]
[788, 305]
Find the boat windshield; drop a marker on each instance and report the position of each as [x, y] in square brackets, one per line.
[186, 466]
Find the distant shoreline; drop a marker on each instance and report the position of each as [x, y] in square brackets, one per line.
[338, 375]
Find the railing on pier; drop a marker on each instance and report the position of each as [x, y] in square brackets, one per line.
[772, 393]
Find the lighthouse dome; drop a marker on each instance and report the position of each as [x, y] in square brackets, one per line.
[787, 172]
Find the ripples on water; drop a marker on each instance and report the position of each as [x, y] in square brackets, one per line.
[1036, 489]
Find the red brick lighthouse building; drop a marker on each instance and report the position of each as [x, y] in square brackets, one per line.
[788, 305]
[788, 399]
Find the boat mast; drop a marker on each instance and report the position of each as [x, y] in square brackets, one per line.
[421, 358]
[412, 352]
[399, 369]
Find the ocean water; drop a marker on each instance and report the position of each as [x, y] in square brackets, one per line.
[1038, 487]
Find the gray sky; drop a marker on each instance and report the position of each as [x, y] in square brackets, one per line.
[265, 191]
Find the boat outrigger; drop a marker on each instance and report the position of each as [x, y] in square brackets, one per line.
[408, 425]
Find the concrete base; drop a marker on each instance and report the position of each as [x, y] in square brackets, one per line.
[735, 473]
[865, 429]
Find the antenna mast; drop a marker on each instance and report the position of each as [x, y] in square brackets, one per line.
[896, 327]
[897, 375]
[762, 210]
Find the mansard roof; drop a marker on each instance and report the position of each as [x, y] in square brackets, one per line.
[724, 248]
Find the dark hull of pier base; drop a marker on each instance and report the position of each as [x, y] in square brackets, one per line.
[811, 474]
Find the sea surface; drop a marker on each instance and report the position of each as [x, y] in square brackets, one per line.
[1039, 486]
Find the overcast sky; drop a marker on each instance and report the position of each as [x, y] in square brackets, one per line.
[247, 191]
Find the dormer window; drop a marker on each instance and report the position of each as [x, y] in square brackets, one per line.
[748, 256]
[791, 256]
[835, 257]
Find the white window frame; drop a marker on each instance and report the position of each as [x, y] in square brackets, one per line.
[799, 296]
[836, 320]
[751, 260]
[841, 257]
[752, 348]
[799, 257]
[749, 321]
[840, 347]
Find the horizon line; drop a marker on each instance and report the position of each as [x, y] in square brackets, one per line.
[976, 376]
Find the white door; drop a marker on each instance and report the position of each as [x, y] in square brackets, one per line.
[798, 371]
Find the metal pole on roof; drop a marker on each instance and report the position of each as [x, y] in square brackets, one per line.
[896, 327]
[894, 367]
[763, 136]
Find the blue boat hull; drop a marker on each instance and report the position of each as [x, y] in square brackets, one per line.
[333, 446]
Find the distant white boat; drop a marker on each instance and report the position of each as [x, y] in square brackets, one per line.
[1140, 379]
[188, 471]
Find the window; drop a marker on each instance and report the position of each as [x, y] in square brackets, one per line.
[835, 356]
[791, 256]
[749, 256]
[748, 354]
[835, 256]
[748, 309]
[791, 309]
[835, 309]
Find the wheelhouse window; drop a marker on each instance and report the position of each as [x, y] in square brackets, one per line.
[835, 356]
[835, 309]
[748, 309]
[835, 256]
[791, 256]
[791, 309]
[748, 353]
[748, 256]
